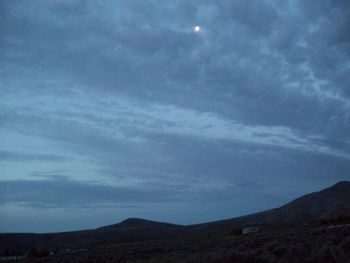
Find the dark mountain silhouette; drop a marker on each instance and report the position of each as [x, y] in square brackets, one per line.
[137, 223]
[311, 208]
[328, 203]
[135, 229]
[129, 230]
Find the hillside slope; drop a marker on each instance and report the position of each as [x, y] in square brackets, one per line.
[129, 230]
[328, 203]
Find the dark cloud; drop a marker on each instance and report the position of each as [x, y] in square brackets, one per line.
[125, 93]
[59, 191]
[27, 157]
[259, 17]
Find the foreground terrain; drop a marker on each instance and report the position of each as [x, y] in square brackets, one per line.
[302, 244]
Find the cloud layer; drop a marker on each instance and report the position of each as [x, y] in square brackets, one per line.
[121, 104]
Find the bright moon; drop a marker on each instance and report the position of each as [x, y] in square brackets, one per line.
[197, 29]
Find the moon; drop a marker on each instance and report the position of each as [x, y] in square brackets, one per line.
[197, 29]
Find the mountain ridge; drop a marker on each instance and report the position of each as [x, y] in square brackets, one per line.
[133, 222]
[329, 202]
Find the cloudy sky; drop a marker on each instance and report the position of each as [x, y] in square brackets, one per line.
[116, 109]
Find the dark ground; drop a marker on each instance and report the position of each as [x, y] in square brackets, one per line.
[307, 244]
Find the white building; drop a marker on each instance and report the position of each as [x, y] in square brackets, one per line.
[251, 229]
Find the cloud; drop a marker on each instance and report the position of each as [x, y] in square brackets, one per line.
[61, 192]
[259, 17]
[127, 120]
[23, 157]
[126, 95]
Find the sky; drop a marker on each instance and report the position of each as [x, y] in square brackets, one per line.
[117, 109]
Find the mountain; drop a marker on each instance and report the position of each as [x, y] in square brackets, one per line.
[137, 224]
[129, 230]
[328, 203]
[311, 208]
[136, 229]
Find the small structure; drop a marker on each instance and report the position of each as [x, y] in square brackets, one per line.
[12, 258]
[251, 229]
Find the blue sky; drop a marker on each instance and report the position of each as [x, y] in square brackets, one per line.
[116, 109]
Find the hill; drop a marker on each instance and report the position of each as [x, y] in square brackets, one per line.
[311, 208]
[137, 224]
[129, 230]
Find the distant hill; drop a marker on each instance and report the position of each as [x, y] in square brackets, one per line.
[330, 202]
[129, 230]
[137, 224]
[136, 229]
